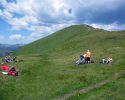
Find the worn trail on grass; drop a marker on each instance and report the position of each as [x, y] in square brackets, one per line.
[92, 87]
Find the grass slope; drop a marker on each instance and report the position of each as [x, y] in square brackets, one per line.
[48, 69]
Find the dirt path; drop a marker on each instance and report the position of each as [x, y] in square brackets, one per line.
[92, 87]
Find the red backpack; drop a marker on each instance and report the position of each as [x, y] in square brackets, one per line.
[13, 73]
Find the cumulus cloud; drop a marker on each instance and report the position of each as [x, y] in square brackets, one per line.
[37, 12]
[63, 11]
[16, 37]
[43, 17]
[109, 27]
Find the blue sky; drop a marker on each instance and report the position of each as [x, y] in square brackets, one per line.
[24, 21]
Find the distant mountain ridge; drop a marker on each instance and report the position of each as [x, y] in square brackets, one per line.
[6, 48]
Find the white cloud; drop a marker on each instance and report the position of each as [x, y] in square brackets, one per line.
[16, 37]
[42, 31]
[57, 11]
[109, 27]
[6, 15]
[39, 11]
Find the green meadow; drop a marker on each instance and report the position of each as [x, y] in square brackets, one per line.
[48, 69]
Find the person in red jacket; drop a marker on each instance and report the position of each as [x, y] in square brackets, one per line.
[88, 55]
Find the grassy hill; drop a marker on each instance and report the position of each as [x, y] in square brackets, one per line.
[48, 70]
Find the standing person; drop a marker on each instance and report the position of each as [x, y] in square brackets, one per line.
[88, 55]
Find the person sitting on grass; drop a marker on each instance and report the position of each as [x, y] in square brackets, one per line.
[14, 59]
[88, 55]
[7, 59]
[109, 60]
[81, 60]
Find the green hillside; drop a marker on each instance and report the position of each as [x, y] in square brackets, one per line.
[48, 70]
[58, 40]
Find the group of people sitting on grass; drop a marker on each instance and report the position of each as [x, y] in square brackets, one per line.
[106, 60]
[85, 59]
[5, 69]
[9, 59]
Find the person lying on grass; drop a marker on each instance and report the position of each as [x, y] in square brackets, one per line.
[81, 60]
[8, 70]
